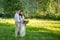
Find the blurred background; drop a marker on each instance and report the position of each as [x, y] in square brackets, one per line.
[45, 9]
[43, 17]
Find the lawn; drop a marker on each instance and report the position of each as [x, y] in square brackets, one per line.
[36, 29]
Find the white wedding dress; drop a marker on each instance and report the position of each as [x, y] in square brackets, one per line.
[22, 26]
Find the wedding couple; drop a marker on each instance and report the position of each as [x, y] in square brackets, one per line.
[20, 23]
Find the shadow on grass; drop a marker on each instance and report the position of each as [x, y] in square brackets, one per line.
[32, 33]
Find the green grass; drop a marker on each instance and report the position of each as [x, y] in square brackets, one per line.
[35, 30]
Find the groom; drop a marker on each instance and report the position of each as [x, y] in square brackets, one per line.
[17, 22]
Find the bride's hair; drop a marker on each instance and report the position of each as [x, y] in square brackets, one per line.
[20, 14]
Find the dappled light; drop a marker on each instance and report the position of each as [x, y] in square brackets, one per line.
[41, 18]
[35, 29]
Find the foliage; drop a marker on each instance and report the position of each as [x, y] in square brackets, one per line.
[31, 8]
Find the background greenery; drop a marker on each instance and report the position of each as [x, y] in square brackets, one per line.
[46, 9]
[37, 10]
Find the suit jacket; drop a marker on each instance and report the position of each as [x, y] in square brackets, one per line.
[18, 18]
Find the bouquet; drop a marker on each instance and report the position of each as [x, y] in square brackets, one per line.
[25, 22]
